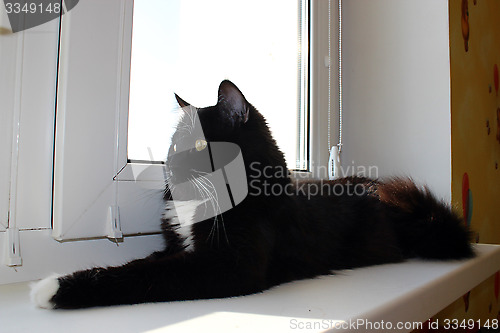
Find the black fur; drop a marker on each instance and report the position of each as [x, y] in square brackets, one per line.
[270, 239]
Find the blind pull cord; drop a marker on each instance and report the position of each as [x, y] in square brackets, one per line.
[334, 164]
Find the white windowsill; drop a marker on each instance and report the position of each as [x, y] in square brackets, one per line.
[408, 292]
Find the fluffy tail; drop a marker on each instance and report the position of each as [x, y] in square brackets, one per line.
[425, 227]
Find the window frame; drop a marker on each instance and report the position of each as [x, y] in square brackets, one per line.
[106, 210]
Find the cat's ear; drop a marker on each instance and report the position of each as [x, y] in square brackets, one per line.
[233, 104]
[182, 103]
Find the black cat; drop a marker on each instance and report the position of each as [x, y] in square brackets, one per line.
[228, 236]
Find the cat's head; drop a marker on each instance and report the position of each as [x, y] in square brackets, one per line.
[230, 140]
[233, 120]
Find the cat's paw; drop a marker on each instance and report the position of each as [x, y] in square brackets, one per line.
[43, 291]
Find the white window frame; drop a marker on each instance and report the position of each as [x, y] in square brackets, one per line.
[107, 207]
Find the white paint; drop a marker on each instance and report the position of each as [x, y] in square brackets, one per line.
[27, 95]
[96, 67]
[397, 89]
[36, 135]
[82, 213]
[405, 292]
[16, 124]
[43, 291]
[27, 87]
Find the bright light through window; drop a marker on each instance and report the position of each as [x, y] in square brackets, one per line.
[190, 46]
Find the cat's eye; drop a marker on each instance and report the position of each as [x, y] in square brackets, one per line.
[200, 144]
[175, 147]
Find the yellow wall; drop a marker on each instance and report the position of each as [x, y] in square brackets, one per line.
[475, 139]
[475, 112]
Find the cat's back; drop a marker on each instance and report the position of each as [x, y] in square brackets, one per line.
[325, 193]
[339, 208]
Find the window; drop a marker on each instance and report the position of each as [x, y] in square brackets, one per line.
[190, 46]
[106, 72]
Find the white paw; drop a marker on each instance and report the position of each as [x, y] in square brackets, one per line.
[43, 291]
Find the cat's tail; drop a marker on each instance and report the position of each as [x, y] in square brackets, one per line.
[425, 227]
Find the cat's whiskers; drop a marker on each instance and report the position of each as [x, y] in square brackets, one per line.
[211, 192]
[214, 198]
[203, 193]
[212, 195]
[206, 193]
[208, 183]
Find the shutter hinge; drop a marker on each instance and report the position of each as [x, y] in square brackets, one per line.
[12, 251]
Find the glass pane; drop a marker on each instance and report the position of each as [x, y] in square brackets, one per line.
[190, 46]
